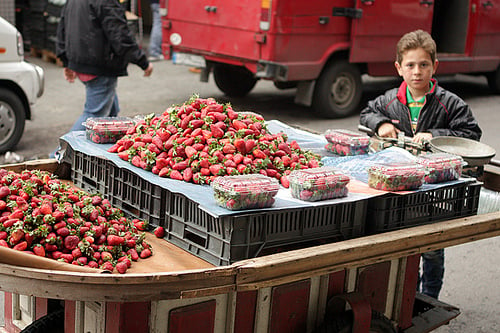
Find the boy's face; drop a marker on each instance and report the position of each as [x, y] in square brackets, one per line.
[417, 69]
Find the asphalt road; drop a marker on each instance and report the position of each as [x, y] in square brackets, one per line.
[472, 269]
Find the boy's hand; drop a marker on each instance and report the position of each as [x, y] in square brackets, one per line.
[421, 137]
[148, 71]
[69, 75]
[387, 130]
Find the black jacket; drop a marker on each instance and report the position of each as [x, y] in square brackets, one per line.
[443, 114]
[93, 38]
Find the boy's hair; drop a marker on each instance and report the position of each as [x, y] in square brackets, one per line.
[413, 40]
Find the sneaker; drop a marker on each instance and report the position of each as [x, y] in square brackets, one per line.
[153, 58]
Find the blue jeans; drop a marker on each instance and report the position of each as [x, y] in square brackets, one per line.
[156, 33]
[433, 272]
[101, 100]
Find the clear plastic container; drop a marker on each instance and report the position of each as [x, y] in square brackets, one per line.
[318, 183]
[441, 167]
[245, 191]
[107, 129]
[396, 176]
[346, 142]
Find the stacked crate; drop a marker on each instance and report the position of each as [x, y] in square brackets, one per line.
[53, 12]
[36, 24]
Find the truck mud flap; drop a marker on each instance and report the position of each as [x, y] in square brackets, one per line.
[429, 314]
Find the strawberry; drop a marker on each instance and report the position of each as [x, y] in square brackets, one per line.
[187, 174]
[217, 132]
[250, 145]
[16, 236]
[123, 155]
[145, 253]
[71, 242]
[4, 191]
[121, 267]
[39, 250]
[175, 174]
[216, 169]
[107, 266]
[284, 181]
[133, 254]
[141, 225]
[159, 232]
[21, 246]
[114, 240]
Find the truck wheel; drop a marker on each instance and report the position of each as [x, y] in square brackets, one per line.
[51, 323]
[338, 90]
[12, 118]
[343, 324]
[494, 80]
[234, 81]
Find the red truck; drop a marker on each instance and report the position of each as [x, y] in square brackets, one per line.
[322, 48]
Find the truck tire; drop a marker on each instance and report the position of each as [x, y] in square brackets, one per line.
[234, 81]
[494, 80]
[343, 324]
[338, 90]
[12, 119]
[51, 323]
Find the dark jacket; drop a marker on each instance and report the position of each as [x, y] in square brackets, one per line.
[93, 38]
[443, 114]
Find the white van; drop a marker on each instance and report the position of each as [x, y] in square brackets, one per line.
[21, 83]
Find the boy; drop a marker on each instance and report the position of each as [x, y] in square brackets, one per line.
[422, 110]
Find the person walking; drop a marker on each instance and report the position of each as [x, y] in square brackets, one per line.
[95, 45]
[155, 37]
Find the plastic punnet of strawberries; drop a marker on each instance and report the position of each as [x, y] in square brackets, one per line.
[202, 139]
[43, 216]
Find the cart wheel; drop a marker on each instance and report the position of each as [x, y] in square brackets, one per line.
[51, 323]
[234, 81]
[338, 90]
[343, 324]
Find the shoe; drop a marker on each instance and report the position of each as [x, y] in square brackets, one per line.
[156, 58]
[195, 70]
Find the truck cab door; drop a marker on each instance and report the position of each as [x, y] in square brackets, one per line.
[380, 24]
[487, 35]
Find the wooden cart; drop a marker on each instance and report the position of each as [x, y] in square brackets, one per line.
[304, 290]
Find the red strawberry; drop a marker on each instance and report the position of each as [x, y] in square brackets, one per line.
[107, 266]
[133, 254]
[39, 250]
[159, 232]
[121, 267]
[249, 145]
[21, 246]
[216, 169]
[123, 155]
[145, 253]
[4, 191]
[175, 174]
[284, 181]
[114, 240]
[187, 174]
[228, 149]
[71, 242]
[217, 132]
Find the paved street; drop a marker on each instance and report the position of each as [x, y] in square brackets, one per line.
[472, 270]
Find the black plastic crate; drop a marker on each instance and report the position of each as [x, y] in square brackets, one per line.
[136, 196]
[225, 240]
[394, 211]
[90, 173]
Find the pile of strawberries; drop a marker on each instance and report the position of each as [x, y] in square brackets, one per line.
[41, 215]
[202, 139]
